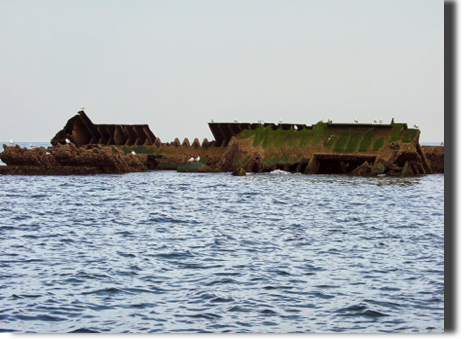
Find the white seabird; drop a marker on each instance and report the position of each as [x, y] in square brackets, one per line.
[416, 125]
[235, 120]
[375, 121]
[197, 159]
[356, 120]
[442, 143]
[281, 120]
[212, 120]
[68, 141]
[330, 120]
[132, 152]
[191, 159]
[82, 108]
[33, 146]
[11, 142]
[381, 121]
[295, 128]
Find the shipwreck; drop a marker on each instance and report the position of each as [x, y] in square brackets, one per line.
[83, 147]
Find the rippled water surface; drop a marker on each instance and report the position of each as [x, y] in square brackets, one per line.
[184, 252]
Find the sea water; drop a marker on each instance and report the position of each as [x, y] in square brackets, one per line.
[184, 252]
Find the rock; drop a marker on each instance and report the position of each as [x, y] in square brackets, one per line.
[435, 157]
[395, 145]
[227, 162]
[376, 170]
[361, 170]
[239, 172]
[255, 163]
[17, 156]
[194, 167]
[70, 159]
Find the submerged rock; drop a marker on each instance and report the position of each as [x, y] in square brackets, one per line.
[239, 172]
[194, 167]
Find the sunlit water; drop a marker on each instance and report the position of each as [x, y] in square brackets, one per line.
[184, 252]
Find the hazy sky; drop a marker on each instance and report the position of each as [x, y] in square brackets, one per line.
[177, 64]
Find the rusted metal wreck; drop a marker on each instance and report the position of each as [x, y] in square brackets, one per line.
[324, 148]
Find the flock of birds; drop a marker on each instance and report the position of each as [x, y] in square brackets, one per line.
[295, 127]
[261, 122]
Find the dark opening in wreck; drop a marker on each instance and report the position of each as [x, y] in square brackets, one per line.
[339, 163]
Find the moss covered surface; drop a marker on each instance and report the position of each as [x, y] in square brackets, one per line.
[341, 142]
[396, 132]
[266, 137]
[366, 141]
[288, 146]
[141, 150]
[194, 167]
[378, 144]
[409, 135]
[354, 142]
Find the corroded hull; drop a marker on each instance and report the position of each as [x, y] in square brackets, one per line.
[323, 148]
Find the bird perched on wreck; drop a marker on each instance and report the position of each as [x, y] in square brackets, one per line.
[197, 159]
[67, 141]
[33, 146]
[212, 120]
[416, 125]
[375, 121]
[235, 120]
[442, 143]
[191, 159]
[381, 121]
[11, 142]
[82, 108]
[295, 128]
[356, 120]
[132, 152]
[330, 120]
[281, 120]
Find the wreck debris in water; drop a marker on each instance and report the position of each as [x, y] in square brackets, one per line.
[324, 148]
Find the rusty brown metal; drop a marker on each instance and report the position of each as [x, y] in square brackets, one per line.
[81, 131]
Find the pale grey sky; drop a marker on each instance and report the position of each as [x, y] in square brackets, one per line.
[176, 64]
